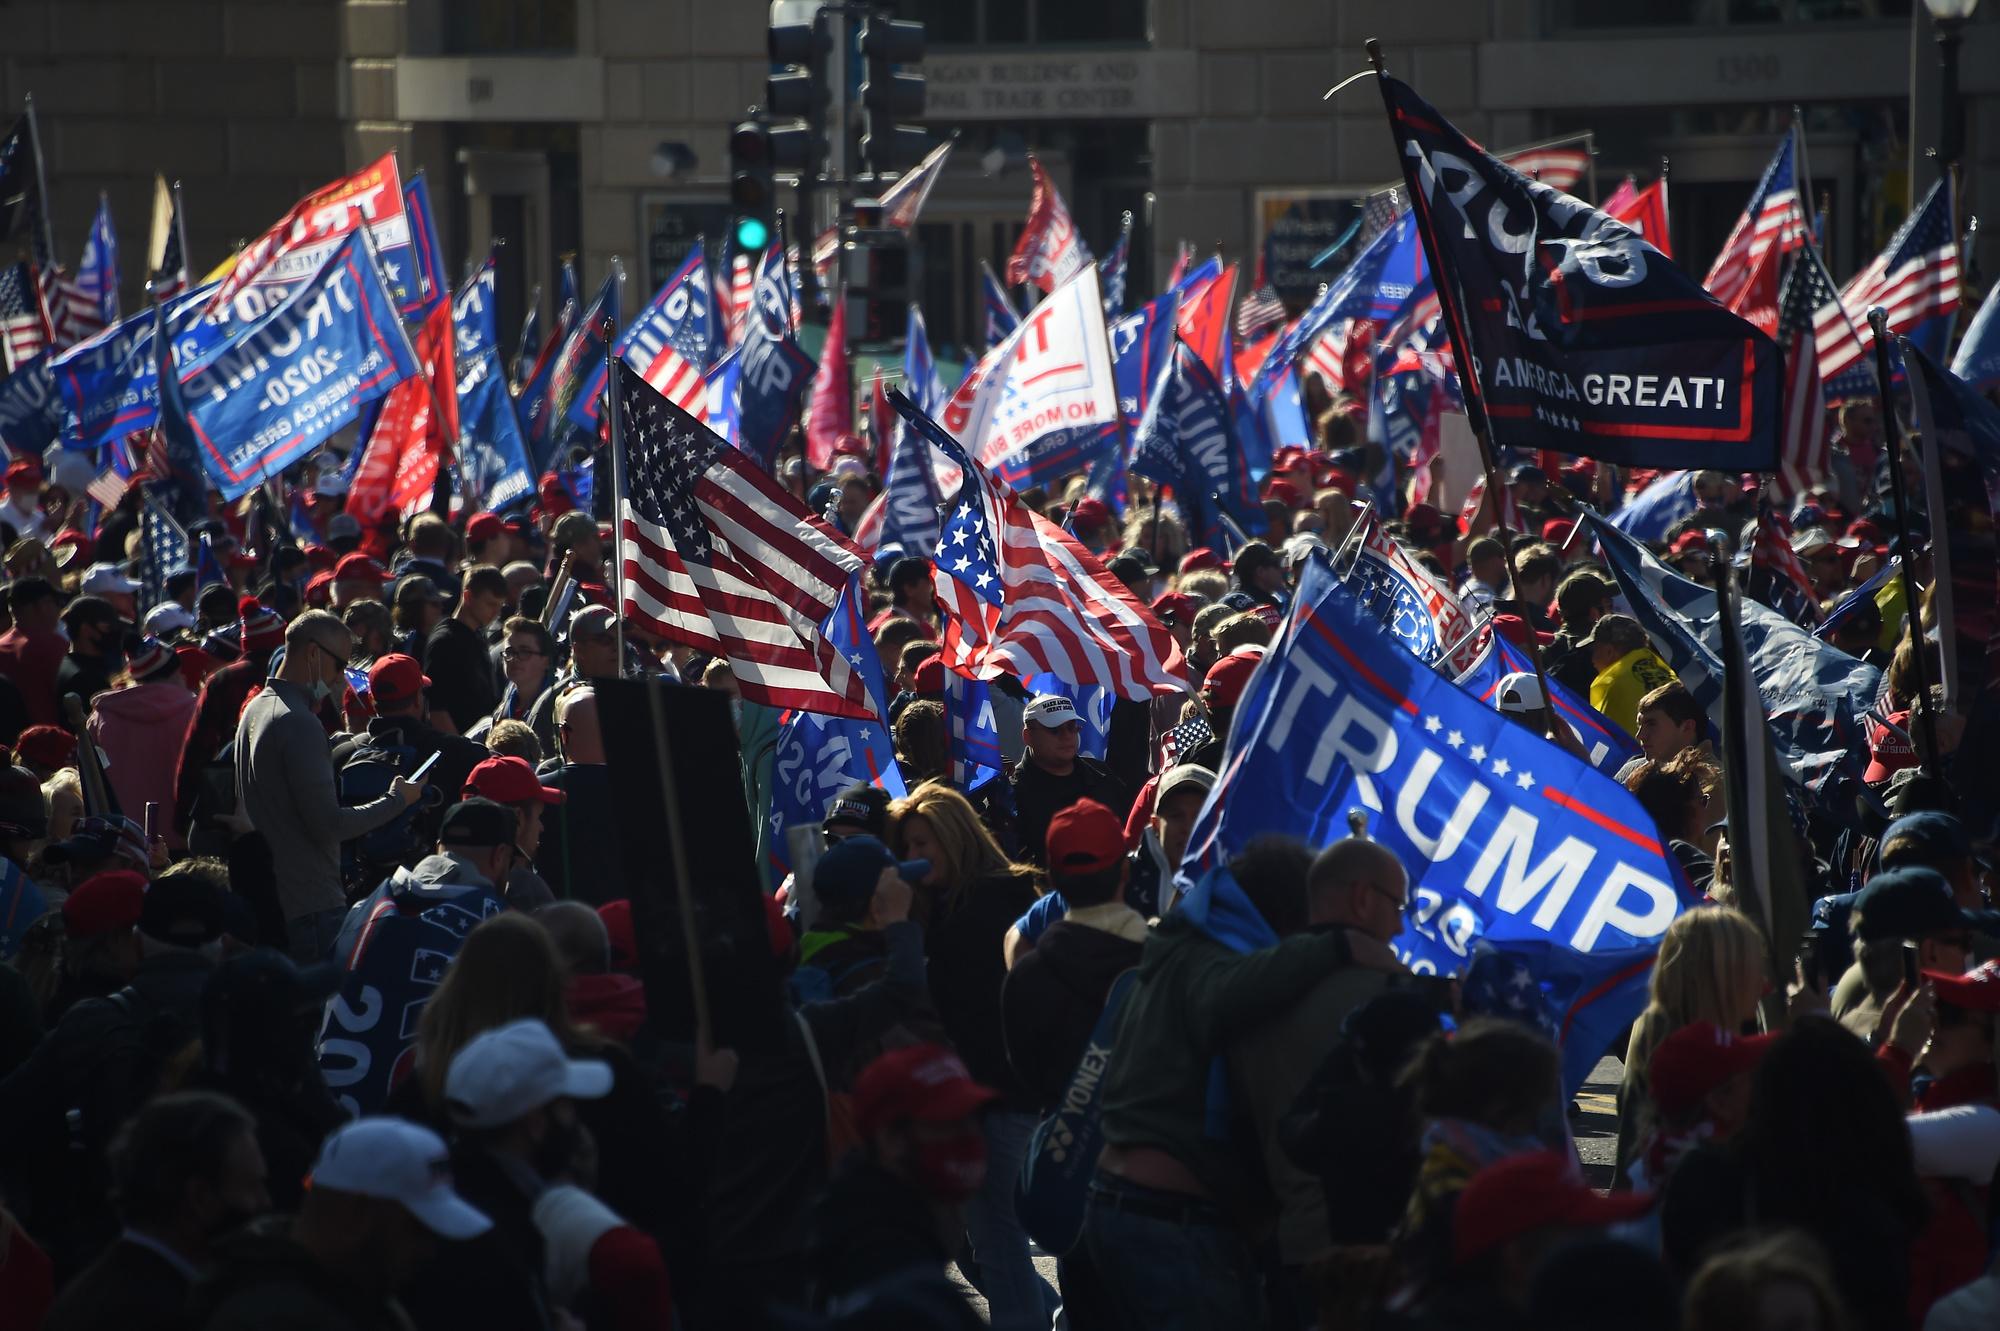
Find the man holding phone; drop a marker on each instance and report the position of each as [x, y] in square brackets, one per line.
[1904, 921]
[285, 783]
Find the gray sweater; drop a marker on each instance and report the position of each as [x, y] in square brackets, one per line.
[285, 785]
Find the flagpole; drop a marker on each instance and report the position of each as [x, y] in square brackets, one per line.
[180, 234]
[617, 432]
[1459, 334]
[1117, 407]
[41, 181]
[1892, 444]
[677, 848]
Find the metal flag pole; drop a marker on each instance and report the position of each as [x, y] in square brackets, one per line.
[41, 181]
[615, 415]
[1892, 444]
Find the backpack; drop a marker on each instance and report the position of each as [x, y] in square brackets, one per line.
[1054, 1187]
[366, 777]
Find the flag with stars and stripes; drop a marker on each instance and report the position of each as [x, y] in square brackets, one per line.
[1915, 280]
[667, 343]
[24, 322]
[1022, 597]
[1804, 454]
[716, 554]
[1774, 216]
[163, 550]
[1414, 605]
[1778, 577]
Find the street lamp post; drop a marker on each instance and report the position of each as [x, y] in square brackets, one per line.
[1948, 17]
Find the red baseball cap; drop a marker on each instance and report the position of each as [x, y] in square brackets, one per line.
[1199, 558]
[1690, 543]
[1889, 748]
[357, 567]
[1696, 1059]
[395, 679]
[485, 527]
[919, 1081]
[104, 903]
[1534, 1190]
[1556, 531]
[929, 675]
[1175, 607]
[24, 471]
[1223, 684]
[1089, 512]
[617, 917]
[1284, 492]
[1085, 838]
[1516, 630]
[508, 780]
[1978, 990]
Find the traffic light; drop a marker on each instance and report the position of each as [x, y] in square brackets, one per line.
[888, 95]
[753, 194]
[879, 269]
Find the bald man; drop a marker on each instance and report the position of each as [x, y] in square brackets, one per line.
[1353, 884]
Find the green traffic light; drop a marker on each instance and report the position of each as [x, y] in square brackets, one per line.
[752, 235]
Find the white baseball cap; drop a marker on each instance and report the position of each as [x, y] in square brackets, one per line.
[399, 1162]
[1187, 776]
[1521, 692]
[168, 617]
[1050, 710]
[511, 1071]
[107, 579]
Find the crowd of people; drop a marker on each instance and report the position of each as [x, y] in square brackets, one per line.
[222, 786]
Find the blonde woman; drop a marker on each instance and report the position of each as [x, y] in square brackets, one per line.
[1710, 968]
[970, 897]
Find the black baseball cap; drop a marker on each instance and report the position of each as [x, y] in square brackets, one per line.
[848, 872]
[184, 910]
[1913, 902]
[861, 806]
[478, 824]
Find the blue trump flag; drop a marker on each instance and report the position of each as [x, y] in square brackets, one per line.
[1374, 287]
[427, 284]
[819, 756]
[301, 372]
[1115, 268]
[31, 410]
[581, 358]
[1574, 334]
[1001, 316]
[724, 381]
[667, 342]
[1187, 439]
[1978, 358]
[97, 273]
[110, 385]
[774, 370]
[1142, 343]
[975, 738]
[1093, 711]
[1648, 515]
[532, 402]
[1524, 863]
[493, 458]
[1816, 697]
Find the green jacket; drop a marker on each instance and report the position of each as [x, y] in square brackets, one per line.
[1194, 999]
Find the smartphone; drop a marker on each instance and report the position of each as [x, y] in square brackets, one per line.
[1910, 976]
[424, 767]
[152, 820]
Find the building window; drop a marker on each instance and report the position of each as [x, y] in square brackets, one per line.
[509, 27]
[1029, 22]
[1595, 14]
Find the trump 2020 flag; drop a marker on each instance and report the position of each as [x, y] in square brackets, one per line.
[1053, 373]
[773, 369]
[818, 756]
[300, 373]
[1582, 337]
[975, 738]
[1541, 881]
[424, 284]
[1187, 439]
[667, 343]
[493, 462]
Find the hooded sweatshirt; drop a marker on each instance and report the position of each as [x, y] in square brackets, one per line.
[140, 730]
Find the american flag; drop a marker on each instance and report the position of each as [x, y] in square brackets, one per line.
[1183, 739]
[1915, 279]
[1260, 309]
[1803, 459]
[73, 309]
[1328, 357]
[1558, 168]
[170, 279]
[902, 201]
[715, 554]
[733, 298]
[1772, 217]
[1051, 249]
[163, 549]
[1783, 579]
[1022, 597]
[24, 323]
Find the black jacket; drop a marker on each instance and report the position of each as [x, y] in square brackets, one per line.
[967, 968]
[493, 1281]
[871, 1227]
[1052, 999]
[457, 756]
[461, 672]
[262, 1280]
[1038, 796]
[128, 1288]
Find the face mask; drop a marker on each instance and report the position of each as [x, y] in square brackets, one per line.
[319, 690]
[952, 1168]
